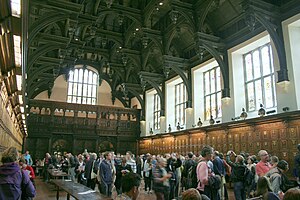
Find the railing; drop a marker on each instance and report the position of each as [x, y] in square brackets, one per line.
[61, 115]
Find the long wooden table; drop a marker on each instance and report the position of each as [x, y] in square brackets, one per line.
[55, 174]
[74, 190]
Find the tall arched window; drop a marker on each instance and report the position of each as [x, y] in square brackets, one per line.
[82, 86]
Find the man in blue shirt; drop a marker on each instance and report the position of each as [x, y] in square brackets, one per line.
[28, 158]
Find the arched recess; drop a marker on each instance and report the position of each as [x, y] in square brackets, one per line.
[41, 51]
[43, 22]
[184, 28]
[58, 30]
[38, 87]
[153, 57]
[203, 13]
[128, 14]
[37, 72]
[188, 19]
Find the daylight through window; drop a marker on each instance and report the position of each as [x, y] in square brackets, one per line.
[82, 86]
[259, 78]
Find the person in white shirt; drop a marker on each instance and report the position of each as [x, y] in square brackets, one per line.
[130, 161]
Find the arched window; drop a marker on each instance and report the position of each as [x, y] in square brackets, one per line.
[82, 86]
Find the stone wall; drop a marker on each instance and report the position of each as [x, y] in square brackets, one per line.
[9, 135]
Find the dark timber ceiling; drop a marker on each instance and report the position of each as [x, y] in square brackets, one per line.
[125, 36]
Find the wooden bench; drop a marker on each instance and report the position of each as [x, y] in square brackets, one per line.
[75, 190]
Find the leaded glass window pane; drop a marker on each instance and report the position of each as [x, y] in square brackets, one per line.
[90, 77]
[212, 97]
[212, 81]
[85, 80]
[82, 86]
[250, 95]
[207, 107]
[260, 88]
[268, 92]
[218, 75]
[95, 77]
[213, 104]
[219, 109]
[70, 88]
[71, 74]
[156, 112]
[76, 75]
[79, 89]
[180, 101]
[248, 62]
[206, 81]
[265, 60]
[258, 92]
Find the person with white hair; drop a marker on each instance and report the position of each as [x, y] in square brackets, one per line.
[263, 166]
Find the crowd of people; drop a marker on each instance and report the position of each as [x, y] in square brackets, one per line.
[169, 176]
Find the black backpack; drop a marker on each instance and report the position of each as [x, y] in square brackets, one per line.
[249, 177]
[191, 180]
[287, 184]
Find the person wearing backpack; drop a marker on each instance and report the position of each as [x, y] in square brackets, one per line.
[278, 179]
[238, 175]
[14, 182]
[219, 169]
[189, 172]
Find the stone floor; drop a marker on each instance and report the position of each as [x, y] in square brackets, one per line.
[46, 191]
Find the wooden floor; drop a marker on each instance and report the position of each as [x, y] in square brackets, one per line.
[47, 191]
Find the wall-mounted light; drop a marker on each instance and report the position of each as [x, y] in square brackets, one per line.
[226, 100]
[120, 19]
[124, 59]
[284, 85]
[174, 14]
[145, 41]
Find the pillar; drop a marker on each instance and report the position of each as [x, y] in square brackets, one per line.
[162, 124]
[189, 117]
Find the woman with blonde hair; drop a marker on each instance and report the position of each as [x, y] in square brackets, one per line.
[264, 189]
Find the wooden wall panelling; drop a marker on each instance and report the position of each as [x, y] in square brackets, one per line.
[279, 138]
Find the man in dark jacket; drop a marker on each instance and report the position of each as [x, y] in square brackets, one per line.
[14, 183]
[173, 163]
[239, 170]
[189, 166]
[106, 174]
[90, 171]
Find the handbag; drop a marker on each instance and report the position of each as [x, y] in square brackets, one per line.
[93, 174]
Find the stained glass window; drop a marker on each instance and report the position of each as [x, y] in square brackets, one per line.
[212, 93]
[259, 78]
[156, 112]
[180, 101]
[82, 86]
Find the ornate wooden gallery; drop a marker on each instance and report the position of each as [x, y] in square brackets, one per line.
[278, 134]
[59, 127]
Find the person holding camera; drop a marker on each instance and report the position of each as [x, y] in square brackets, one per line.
[121, 171]
[238, 175]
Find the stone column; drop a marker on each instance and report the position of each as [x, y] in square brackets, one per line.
[162, 124]
[189, 117]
